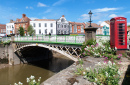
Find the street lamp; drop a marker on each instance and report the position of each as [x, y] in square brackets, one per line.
[90, 14]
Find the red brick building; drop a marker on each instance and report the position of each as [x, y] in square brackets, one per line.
[76, 27]
[3, 28]
[23, 22]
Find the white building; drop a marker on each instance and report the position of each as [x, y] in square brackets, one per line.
[10, 29]
[62, 26]
[106, 27]
[44, 26]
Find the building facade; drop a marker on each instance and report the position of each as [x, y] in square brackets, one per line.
[2, 29]
[44, 26]
[62, 26]
[105, 27]
[23, 22]
[10, 29]
[76, 28]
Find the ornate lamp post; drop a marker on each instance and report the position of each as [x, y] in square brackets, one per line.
[90, 14]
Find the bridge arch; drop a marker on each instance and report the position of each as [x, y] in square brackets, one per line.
[50, 48]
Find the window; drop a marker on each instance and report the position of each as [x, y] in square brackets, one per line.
[45, 31]
[51, 25]
[39, 31]
[51, 31]
[23, 25]
[45, 24]
[64, 32]
[34, 25]
[64, 26]
[62, 20]
[75, 28]
[58, 25]
[39, 24]
[82, 28]
[70, 28]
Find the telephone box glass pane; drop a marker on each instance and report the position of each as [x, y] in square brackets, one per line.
[121, 34]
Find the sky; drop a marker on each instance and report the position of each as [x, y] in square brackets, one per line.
[74, 10]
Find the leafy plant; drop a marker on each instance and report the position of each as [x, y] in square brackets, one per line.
[30, 30]
[21, 31]
[103, 73]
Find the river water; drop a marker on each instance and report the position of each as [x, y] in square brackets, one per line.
[44, 69]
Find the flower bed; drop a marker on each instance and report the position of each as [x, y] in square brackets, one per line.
[100, 49]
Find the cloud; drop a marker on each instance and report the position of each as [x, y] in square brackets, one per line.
[47, 11]
[33, 18]
[58, 2]
[99, 22]
[26, 7]
[29, 7]
[41, 5]
[95, 16]
[112, 15]
[128, 23]
[105, 9]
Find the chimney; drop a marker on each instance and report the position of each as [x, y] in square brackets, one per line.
[11, 21]
[23, 15]
[63, 16]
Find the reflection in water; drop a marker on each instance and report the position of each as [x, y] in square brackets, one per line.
[44, 69]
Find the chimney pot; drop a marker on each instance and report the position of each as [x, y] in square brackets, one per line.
[24, 15]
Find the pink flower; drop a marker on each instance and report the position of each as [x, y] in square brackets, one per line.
[106, 57]
[119, 61]
[120, 54]
[92, 46]
[97, 44]
[103, 56]
[111, 58]
[83, 53]
[88, 50]
[81, 56]
[85, 49]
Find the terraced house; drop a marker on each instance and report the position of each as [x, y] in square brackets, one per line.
[44, 26]
[2, 29]
[23, 22]
[62, 26]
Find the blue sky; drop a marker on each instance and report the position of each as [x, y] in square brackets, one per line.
[74, 10]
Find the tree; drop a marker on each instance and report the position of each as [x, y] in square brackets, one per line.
[128, 25]
[30, 30]
[21, 31]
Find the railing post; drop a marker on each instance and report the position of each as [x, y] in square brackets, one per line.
[20, 38]
[37, 37]
[56, 38]
[32, 38]
[75, 38]
[27, 38]
[42, 37]
[65, 38]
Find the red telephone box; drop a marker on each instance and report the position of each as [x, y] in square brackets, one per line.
[118, 33]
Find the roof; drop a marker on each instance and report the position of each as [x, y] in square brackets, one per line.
[2, 26]
[108, 22]
[93, 25]
[23, 19]
[77, 23]
[44, 20]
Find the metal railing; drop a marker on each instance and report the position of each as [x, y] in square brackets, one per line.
[56, 39]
